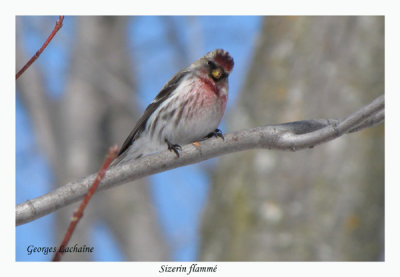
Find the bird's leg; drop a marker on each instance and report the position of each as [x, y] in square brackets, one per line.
[216, 133]
[174, 147]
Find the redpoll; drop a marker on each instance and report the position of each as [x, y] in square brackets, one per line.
[187, 109]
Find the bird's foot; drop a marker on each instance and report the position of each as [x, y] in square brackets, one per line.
[174, 147]
[216, 133]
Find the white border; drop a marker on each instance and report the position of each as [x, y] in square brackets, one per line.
[248, 7]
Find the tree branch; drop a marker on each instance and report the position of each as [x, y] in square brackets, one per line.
[112, 153]
[37, 54]
[289, 136]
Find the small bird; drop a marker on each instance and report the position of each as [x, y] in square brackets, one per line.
[188, 108]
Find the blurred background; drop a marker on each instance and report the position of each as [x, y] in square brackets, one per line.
[96, 77]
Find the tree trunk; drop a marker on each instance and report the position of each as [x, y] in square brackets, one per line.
[324, 203]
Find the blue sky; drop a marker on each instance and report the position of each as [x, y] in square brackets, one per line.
[179, 216]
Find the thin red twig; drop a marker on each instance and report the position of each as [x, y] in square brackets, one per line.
[53, 33]
[112, 154]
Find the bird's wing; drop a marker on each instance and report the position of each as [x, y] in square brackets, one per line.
[165, 92]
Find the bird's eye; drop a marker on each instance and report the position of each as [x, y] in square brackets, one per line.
[211, 64]
[217, 73]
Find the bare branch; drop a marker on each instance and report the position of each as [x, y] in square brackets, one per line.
[112, 153]
[37, 54]
[374, 119]
[289, 136]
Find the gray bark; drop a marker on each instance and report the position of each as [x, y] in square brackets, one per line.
[291, 136]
